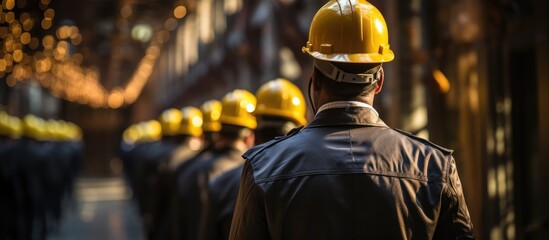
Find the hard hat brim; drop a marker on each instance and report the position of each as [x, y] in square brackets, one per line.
[353, 58]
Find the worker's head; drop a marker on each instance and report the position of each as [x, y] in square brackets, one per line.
[211, 111]
[237, 119]
[280, 108]
[349, 41]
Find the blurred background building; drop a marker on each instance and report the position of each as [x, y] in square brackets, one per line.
[471, 75]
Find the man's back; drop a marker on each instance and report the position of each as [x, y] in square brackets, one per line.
[348, 177]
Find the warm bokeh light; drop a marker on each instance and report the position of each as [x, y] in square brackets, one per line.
[77, 39]
[9, 4]
[9, 60]
[2, 65]
[126, 11]
[180, 12]
[48, 42]
[74, 32]
[170, 24]
[25, 38]
[28, 24]
[17, 55]
[46, 23]
[62, 32]
[59, 70]
[16, 29]
[49, 14]
[10, 17]
[442, 81]
[115, 99]
[24, 16]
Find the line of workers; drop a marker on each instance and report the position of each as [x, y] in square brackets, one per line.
[39, 161]
[185, 167]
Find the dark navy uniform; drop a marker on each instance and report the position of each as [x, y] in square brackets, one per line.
[217, 216]
[193, 179]
[349, 176]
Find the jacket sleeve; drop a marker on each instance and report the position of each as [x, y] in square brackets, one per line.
[249, 218]
[454, 220]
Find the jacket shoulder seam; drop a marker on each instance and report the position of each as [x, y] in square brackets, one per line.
[271, 143]
[347, 172]
[444, 150]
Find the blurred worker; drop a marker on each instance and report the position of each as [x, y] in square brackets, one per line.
[136, 140]
[128, 147]
[10, 132]
[154, 149]
[234, 138]
[211, 111]
[35, 174]
[346, 175]
[185, 127]
[156, 161]
[280, 108]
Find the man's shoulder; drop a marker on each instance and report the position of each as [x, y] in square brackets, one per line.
[422, 141]
[280, 141]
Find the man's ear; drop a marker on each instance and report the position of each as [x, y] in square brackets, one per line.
[250, 139]
[380, 82]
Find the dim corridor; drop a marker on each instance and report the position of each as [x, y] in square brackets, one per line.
[102, 209]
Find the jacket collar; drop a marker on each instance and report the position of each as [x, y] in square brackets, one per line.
[353, 115]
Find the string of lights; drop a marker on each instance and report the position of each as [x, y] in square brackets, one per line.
[49, 60]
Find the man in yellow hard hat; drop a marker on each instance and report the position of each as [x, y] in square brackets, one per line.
[10, 131]
[234, 138]
[346, 175]
[156, 147]
[280, 108]
[184, 127]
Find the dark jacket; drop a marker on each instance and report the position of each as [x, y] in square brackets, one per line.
[348, 176]
[216, 218]
[192, 192]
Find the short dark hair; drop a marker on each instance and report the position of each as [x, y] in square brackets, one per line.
[348, 91]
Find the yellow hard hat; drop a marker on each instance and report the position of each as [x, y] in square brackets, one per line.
[211, 111]
[131, 135]
[280, 97]
[74, 132]
[350, 32]
[54, 130]
[170, 121]
[4, 124]
[68, 131]
[15, 127]
[140, 129]
[153, 130]
[191, 123]
[237, 109]
[34, 127]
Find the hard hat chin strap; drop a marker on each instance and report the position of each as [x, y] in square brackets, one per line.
[338, 75]
[313, 107]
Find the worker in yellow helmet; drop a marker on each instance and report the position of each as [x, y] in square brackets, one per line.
[181, 128]
[347, 175]
[155, 146]
[234, 138]
[211, 111]
[280, 108]
[10, 179]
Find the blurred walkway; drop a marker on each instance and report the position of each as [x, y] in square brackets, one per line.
[103, 210]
